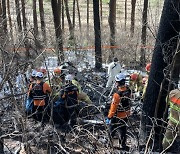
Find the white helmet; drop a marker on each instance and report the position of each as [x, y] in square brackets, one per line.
[33, 74]
[39, 74]
[120, 77]
[69, 77]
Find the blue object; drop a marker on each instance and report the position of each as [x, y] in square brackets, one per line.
[29, 104]
[59, 102]
[108, 121]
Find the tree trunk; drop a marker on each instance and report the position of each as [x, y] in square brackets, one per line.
[125, 13]
[164, 50]
[35, 19]
[60, 12]
[71, 30]
[43, 25]
[24, 16]
[112, 25]
[144, 33]
[58, 32]
[79, 15]
[18, 13]
[101, 21]
[4, 16]
[133, 5]
[10, 20]
[97, 32]
[62, 16]
[87, 19]
[74, 13]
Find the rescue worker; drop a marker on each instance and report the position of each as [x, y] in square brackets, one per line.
[113, 69]
[29, 100]
[69, 103]
[136, 82]
[120, 110]
[56, 84]
[173, 128]
[148, 67]
[82, 96]
[39, 92]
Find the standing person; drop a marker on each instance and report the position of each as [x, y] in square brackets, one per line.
[148, 68]
[113, 69]
[39, 91]
[173, 128]
[120, 110]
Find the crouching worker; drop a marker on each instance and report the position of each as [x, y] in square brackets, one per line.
[39, 92]
[65, 111]
[120, 110]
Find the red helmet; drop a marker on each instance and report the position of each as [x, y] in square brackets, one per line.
[57, 71]
[134, 76]
[148, 67]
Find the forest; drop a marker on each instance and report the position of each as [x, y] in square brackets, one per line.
[89, 76]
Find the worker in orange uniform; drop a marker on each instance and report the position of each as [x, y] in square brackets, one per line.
[120, 110]
[39, 92]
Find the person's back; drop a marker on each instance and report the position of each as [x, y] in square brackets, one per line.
[173, 128]
[39, 92]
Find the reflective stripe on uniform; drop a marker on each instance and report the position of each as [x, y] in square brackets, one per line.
[175, 100]
[173, 106]
[173, 119]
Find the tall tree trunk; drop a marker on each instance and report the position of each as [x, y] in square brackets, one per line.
[26, 42]
[112, 25]
[133, 6]
[87, 19]
[144, 33]
[4, 16]
[74, 13]
[125, 13]
[79, 15]
[60, 12]
[97, 31]
[18, 14]
[10, 21]
[101, 12]
[165, 47]
[62, 16]
[24, 15]
[43, 25]
[58, 32]
[35, 19]
[71, 29]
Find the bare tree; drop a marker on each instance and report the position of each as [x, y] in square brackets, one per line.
[87, 18]
[4, 16]
[63, 16]
[24, 15]
[58, 31]
[112, 25]
[133, 6]
[79, 15]
[71, 29]
[43, 26]
[74, 13]
[10, 20]
[18, 14]
[125, 13]
[97, 32]
[144, 33]
[35, 19]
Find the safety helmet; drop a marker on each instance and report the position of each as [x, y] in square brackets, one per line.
[148, 67]
[57, 71]
[39, 74]
[69, 77]
[134, 76]
[120, 77]
[33, 74]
